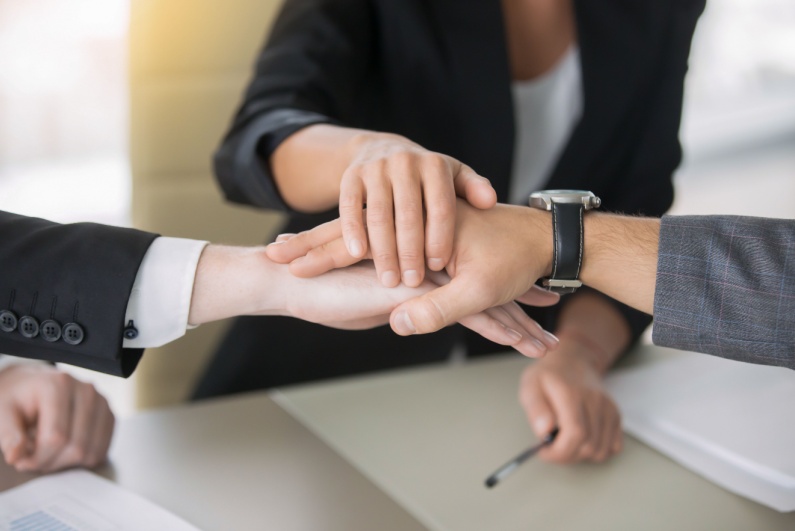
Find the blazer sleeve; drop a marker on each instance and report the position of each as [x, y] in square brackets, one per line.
[644, 185]
[316, 56]
[726, 286]
[64, 291]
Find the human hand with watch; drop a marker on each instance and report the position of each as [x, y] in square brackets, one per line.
[498, 255]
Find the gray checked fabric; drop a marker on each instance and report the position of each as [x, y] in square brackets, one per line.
[726, 286]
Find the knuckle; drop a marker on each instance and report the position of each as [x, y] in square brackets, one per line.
[428, 316]
[56, 438]
[350, 204]
[379, 212]
[383, 256]
[410, 256]
[434, 162]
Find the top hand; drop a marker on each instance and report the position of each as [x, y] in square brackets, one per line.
[498, 255]
[391, 174]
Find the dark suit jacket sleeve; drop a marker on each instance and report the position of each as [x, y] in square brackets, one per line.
[644, 186]
[316, 54]
[81, 273]
[726, 286]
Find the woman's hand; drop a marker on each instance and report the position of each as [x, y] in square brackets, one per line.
[565, 390]
[410, 198]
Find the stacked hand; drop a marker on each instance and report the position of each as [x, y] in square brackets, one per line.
[497, 258]
[50, 421]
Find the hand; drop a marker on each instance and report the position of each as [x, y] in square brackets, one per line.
[566, 391]
[353, 298]
[498, 255]
[399, 181]
[50, 421]
[234, 281]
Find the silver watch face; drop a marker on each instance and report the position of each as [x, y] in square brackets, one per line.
[545, 198]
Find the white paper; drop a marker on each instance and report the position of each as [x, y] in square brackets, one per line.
[77, 500]
[733, 423]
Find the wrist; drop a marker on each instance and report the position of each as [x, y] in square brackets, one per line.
[538, 238]
[233, 281]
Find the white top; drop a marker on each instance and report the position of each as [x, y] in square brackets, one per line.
[546, 109]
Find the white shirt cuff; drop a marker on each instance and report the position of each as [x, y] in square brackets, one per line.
[159, 303]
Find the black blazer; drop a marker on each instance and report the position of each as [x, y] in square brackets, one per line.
[68, 280]
[437, 72]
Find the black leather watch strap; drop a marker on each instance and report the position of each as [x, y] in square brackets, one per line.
[567, 239]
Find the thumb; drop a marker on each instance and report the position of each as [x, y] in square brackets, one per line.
[436, 309]
[537, 408]
[13, 436]
[476, 189]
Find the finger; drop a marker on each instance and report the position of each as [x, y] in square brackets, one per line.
[530, 326]
[284, 252]
[476, 189]
[351, 213]
[381, 227]
[438, 308]
[572, 421]
[502, 330]
[604, 448]
[103, 424]
[409, 227]
[14, 438]
[618, 437]
[283, 237]
[528, 345]
[594, 410]
[332, 255]
[537, 296]
[55, 407]
[75, 451]
[440, 207]
[539, 412]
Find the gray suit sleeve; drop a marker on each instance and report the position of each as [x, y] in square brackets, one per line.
[726, 286]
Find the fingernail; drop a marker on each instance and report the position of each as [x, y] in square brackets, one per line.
[551, 337]
[272, 244]
[514, 335]
[403, 323]
[390, 279]
[355, 248]
[435, 263]
[411, 278]
[283, 237]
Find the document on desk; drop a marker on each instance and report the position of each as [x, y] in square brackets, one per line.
[77, 500]
[732, 423]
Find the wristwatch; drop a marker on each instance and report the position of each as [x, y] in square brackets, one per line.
[567, 207]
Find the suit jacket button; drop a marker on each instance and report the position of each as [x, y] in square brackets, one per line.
[8, 321]
[29, 327]
[73, 333]
[50, 331]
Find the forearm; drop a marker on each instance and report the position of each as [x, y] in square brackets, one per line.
[308, 166]
[592, 330]
[620, 258]
[233, 281]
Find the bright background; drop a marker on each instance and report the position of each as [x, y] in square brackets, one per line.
[64, 122]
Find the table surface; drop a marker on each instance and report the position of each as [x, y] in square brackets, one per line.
[404, 450]
[243, 464]
[429, 437]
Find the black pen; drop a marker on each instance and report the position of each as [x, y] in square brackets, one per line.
[514, 463]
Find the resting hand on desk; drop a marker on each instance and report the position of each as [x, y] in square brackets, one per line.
[50, 421]
[245, 281]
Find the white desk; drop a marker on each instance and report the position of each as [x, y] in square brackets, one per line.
[417, 445]
[429, 437]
